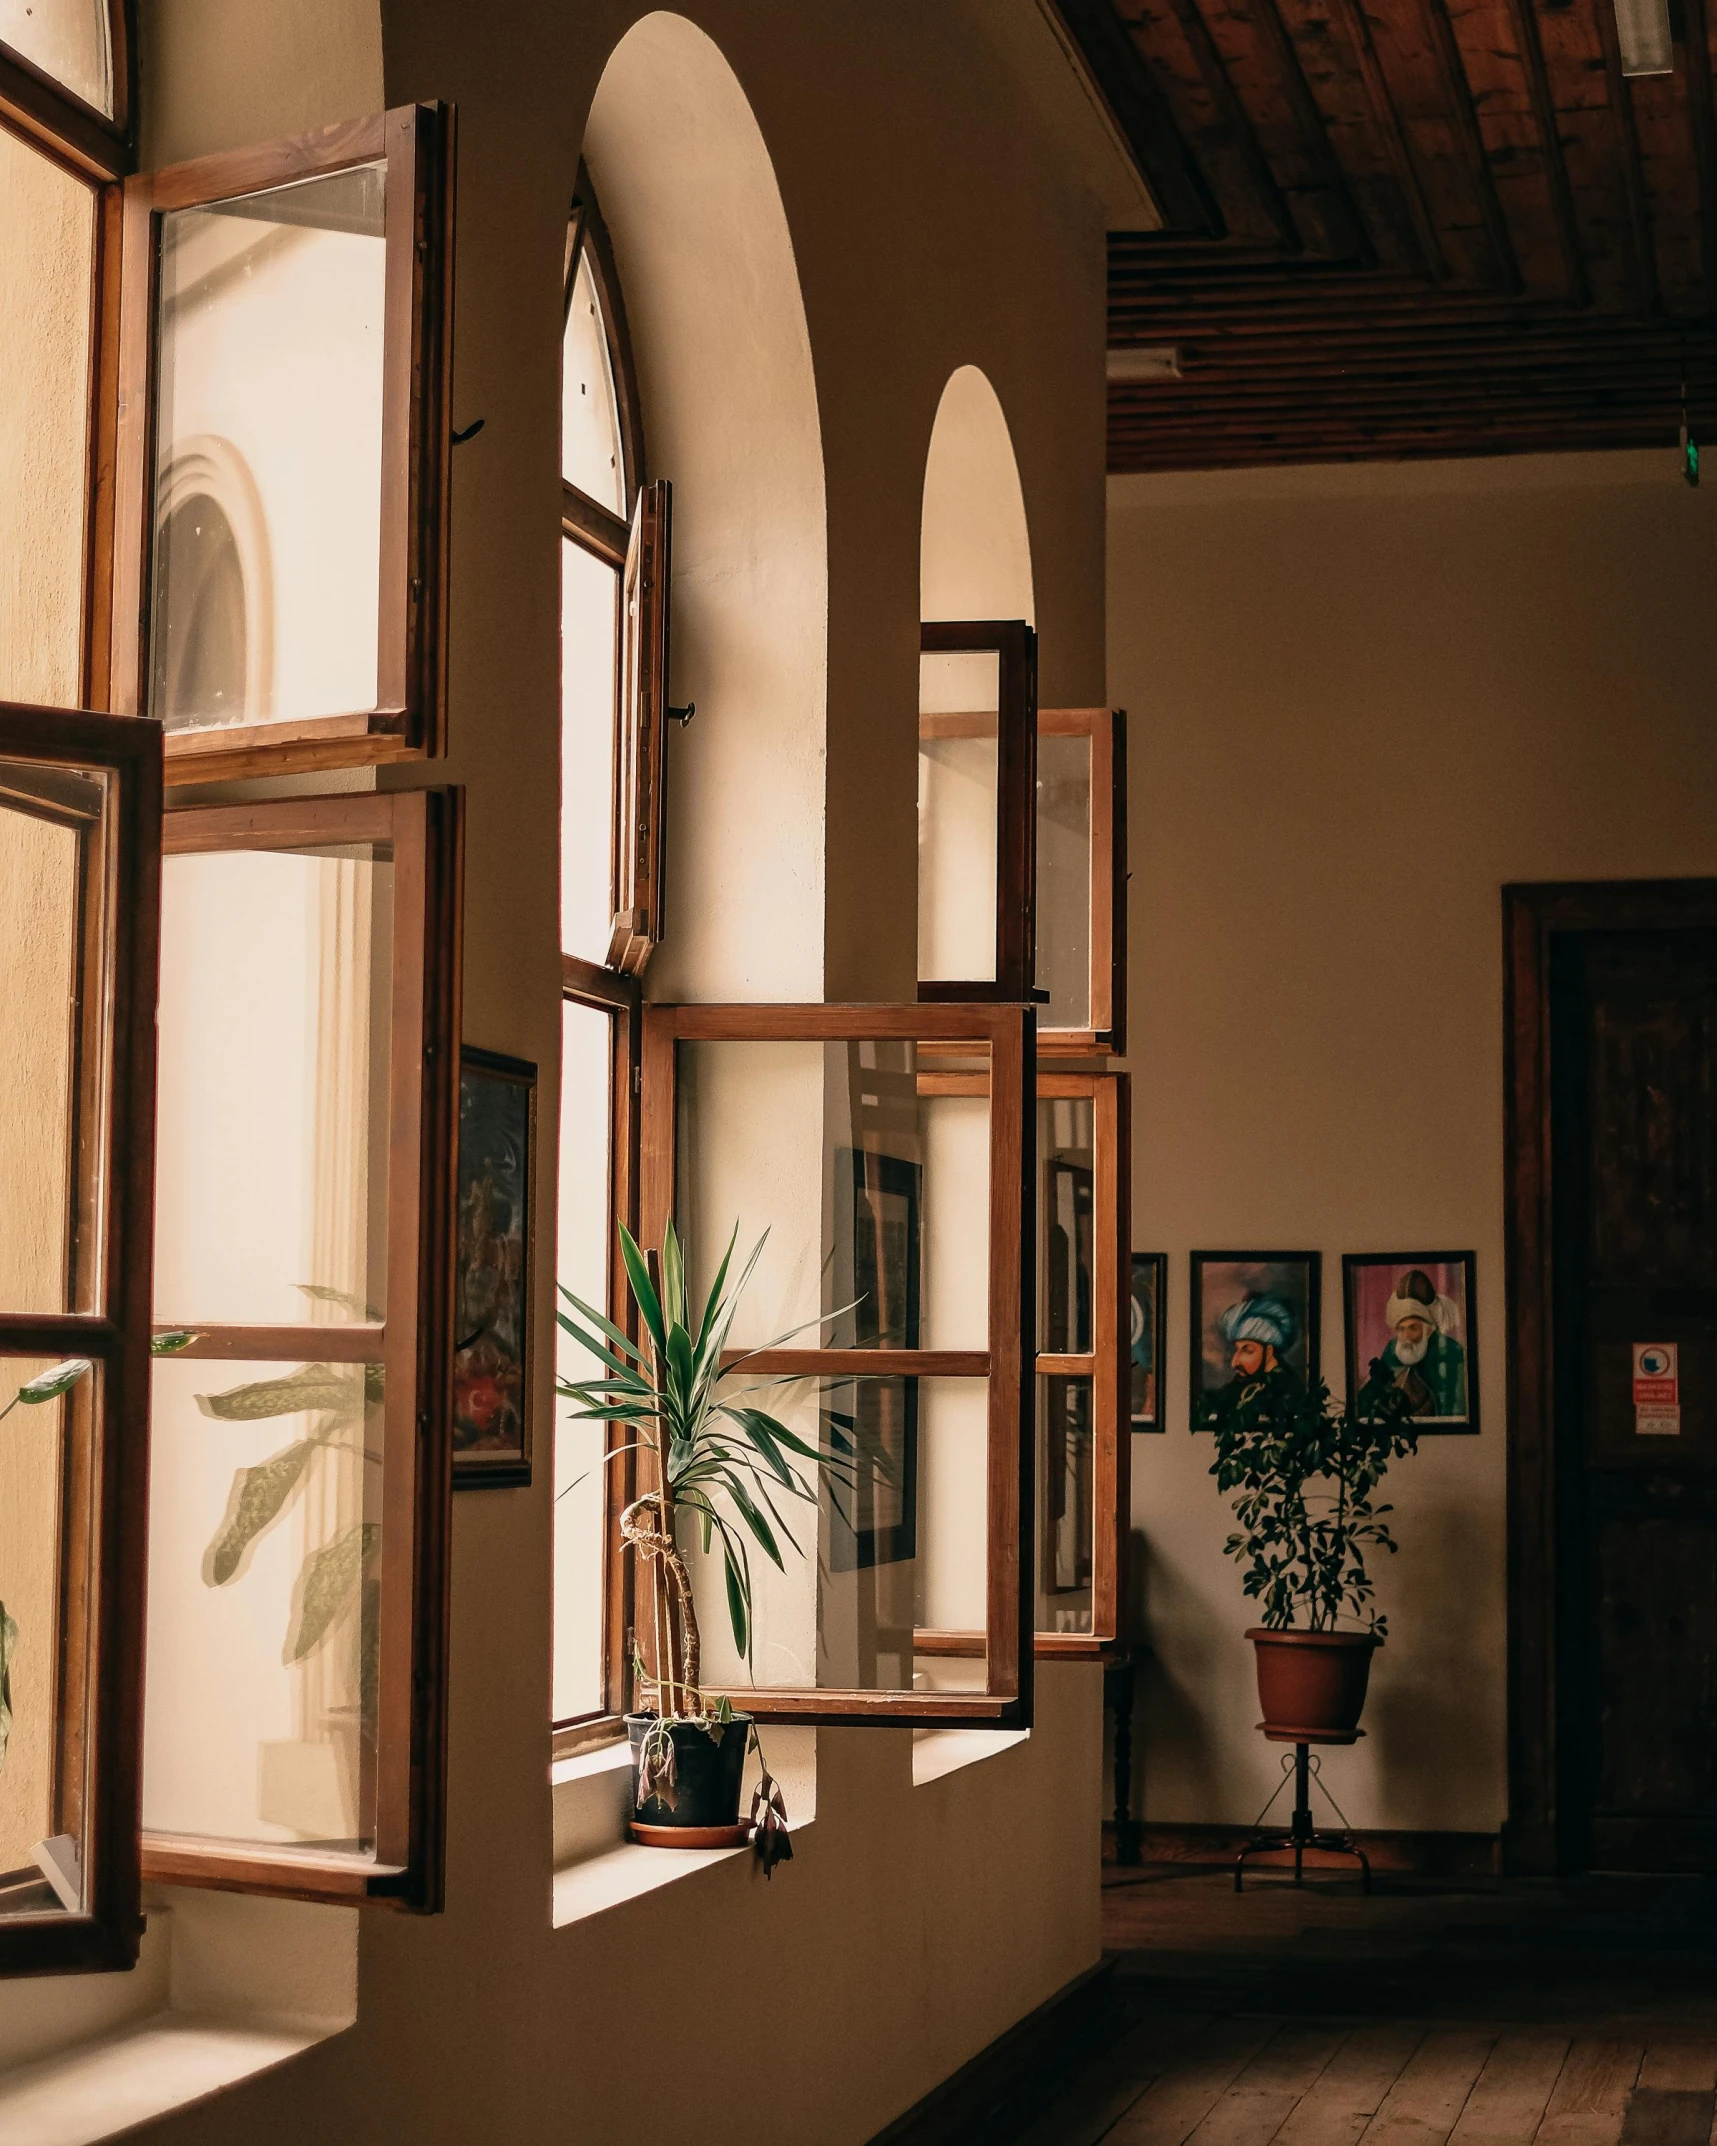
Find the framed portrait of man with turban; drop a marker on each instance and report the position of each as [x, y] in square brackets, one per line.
[1411, 1314]
[1252, 1312]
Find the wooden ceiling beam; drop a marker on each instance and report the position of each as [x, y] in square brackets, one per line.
[1525, 17]
[1242, 135]
[1142, 112]
[1314, 133]
[1702, 138]
[1388, 122]
[1458, 93]
[1631, 162]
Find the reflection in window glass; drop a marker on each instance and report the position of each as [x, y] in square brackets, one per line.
[581, 1263]
[590, 449]
[269, 404]
[71, 41]
[907, 1552]
[1066, 1220]
[47, 242]
[271, 1198]
[50, 864]
[875, 1197]
[589, 657]
[1064, 879]
[43, 1793]
[265, 1576]
[1066, 1446]
[958, 725]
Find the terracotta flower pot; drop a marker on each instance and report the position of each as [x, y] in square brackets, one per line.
[1311, 1685]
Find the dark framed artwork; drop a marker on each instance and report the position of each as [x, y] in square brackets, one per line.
[492, 1279]
[1252, 1312]
[1414, 1312]
[878, 1211]
[1148, 1339]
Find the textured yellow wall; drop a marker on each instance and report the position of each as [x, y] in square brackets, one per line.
[1361, 701]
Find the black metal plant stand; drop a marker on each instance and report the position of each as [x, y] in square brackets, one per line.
[1301, 1833]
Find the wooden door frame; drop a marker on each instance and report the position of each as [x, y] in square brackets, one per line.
[1537, 1839]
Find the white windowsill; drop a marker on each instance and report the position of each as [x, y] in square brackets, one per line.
[225, 1986]
[936, 1753]
[597, 1868]
[166, 2061]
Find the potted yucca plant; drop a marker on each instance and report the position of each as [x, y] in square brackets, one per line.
[719, 1465]
[1306, 1471]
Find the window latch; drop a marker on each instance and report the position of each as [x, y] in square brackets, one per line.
[683, 716]
[470, 432]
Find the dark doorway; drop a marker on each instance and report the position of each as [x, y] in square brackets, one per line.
[1613, 1383]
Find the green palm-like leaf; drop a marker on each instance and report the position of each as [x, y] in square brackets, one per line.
[334, 1388]
[256, 1501]
[328, 1581]
[8, 1642]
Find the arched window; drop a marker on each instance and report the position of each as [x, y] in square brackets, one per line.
[614, 576]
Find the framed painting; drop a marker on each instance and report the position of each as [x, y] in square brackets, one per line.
[492, 1279]
[1410, 1320]
[876, 1272]
[1251, 1312]
[1147, 1339]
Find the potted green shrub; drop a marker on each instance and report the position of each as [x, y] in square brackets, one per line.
[1306, 1472]
[719, 1465]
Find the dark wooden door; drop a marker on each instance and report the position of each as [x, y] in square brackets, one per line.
[1634, 1205]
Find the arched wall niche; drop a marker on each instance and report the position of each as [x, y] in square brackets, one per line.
[729, 400]
[974, 558]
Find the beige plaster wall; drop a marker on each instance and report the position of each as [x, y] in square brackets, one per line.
[932, 224]
[1361, 701]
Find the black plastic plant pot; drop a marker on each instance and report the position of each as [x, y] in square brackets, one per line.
[707, 1777]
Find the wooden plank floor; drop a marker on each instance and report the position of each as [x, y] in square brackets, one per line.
[1578, 2013]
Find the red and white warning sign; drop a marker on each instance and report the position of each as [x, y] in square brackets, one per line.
[1657, 1389]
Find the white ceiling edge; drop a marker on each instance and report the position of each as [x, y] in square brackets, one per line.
[1056, 81]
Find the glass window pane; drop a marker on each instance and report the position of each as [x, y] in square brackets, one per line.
[1064, 880]
[958, 738]
[581, 1264]
[268, 470]
[45, 1643]
[71, 41]
[1066, 1206]
[590, 450]
[589, 657]
[47, 243]
[875, 1196]
[276, 980]
[1066, 1446]
[905, 1552]
[52, 870]
[265, 1577]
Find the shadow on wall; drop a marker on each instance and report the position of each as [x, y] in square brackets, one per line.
[1171, 1709]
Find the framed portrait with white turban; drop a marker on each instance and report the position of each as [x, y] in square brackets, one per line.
[1252, 1312]
[1410, 1322]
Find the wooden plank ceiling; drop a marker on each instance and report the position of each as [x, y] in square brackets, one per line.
[1407, 227]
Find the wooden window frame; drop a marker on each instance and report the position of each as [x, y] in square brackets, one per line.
[1014, 644]
[54, 118]
[1106, 1363]
[1106, 1033]
[618, 996]
[416, 142]
[638, 547]
[104, 1504]
[424, 830]
[1007, 1363]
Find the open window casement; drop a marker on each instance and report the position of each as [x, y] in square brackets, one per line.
[80, 820]
[594, 1477]
[294, 1737]
[279, 585]
[1081, 881]
[1081, 1475]
[641, 740]
[900, 1228]
[977, 817]
[65, 79]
